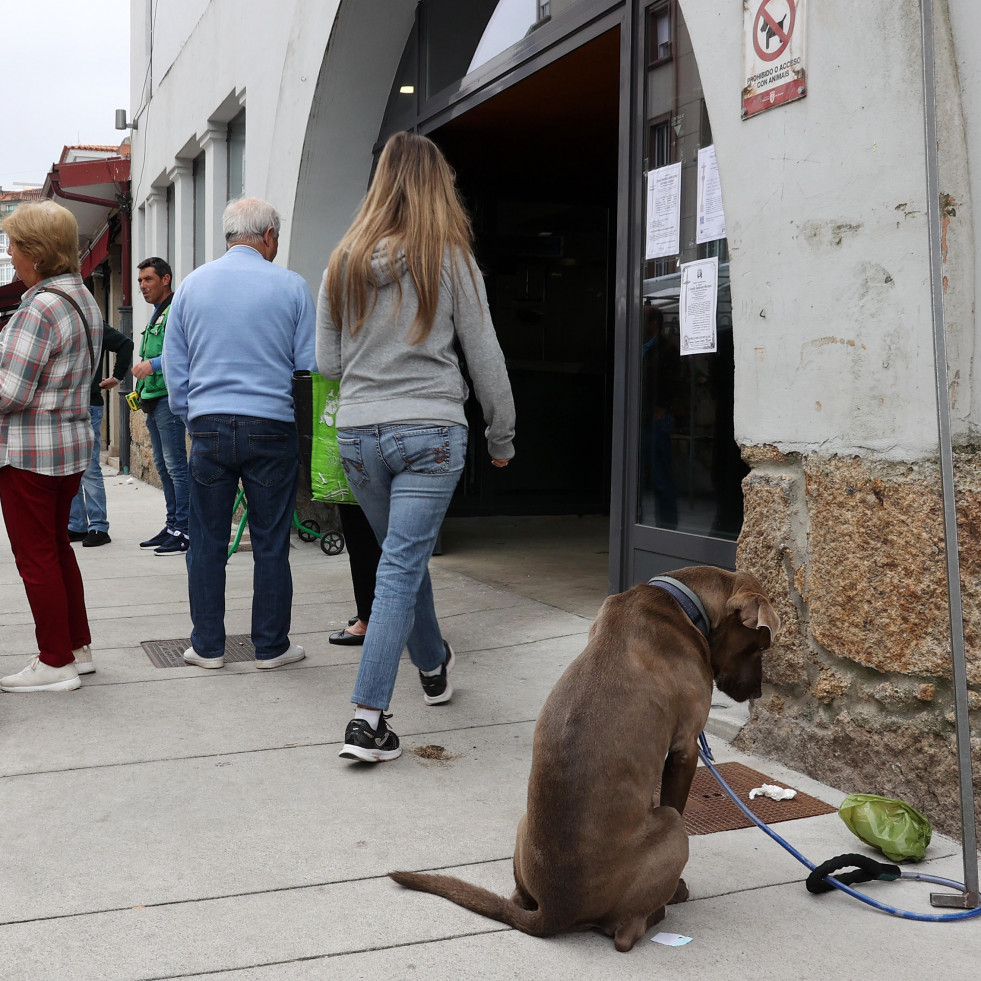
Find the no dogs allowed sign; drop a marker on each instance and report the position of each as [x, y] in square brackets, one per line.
[774, 45]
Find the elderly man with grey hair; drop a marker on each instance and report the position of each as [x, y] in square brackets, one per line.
[238, 329]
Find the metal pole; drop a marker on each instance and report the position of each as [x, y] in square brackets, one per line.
[970, 899]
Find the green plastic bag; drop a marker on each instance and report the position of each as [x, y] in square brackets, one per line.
[327, 480]
[898, 831]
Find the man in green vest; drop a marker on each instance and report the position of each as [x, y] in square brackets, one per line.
[168, 437]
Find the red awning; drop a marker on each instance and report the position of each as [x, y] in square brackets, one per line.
[92, 190]
[97, 252]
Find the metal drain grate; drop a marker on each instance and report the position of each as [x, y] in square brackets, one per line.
[709, 809]
[170, 653]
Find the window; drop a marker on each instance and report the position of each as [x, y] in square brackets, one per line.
[659, 34]
[6, 266]
[171, 223]
[236, 156]
[200, 206]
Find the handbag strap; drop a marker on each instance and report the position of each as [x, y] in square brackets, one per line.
[78, 309]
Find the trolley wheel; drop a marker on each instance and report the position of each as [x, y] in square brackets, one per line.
[332, 543]
[309, 530]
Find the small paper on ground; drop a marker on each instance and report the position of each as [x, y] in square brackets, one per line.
[670, 939]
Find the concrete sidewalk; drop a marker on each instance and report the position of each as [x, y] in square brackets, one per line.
[175, 823]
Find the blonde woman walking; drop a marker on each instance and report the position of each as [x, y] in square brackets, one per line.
[400, 288]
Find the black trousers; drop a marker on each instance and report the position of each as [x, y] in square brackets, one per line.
[363, 552]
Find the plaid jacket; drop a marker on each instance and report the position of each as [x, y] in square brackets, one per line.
[45, 379]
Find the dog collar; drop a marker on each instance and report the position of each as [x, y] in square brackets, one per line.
[688, 601]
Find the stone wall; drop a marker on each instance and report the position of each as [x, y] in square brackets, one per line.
[140, 453]
[858, 688]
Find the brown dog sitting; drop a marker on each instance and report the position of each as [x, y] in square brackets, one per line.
[593, 850]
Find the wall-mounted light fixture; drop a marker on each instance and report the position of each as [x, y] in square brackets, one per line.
[121, 120]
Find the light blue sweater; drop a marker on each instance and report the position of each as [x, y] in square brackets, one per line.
[238, 329]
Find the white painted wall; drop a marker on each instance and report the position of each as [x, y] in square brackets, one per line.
[825, 198]
[825, 207]
[349, 104]
[265, 56]
[314, 78]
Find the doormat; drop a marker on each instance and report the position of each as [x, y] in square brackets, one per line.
[170, 653]
[709, 808]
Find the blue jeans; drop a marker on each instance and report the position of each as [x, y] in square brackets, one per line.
[89, 504]
[169, 444]
[263, 454]
[403, 475]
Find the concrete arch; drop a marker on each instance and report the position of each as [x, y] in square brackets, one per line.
[352, 89]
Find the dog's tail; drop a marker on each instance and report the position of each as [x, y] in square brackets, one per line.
[478, 900]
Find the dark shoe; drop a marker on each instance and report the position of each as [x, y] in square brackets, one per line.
[96, 538]
[361, 742]
[158, 539]
[172, 545]
[346, 639]
[77, 536]
[437, 689]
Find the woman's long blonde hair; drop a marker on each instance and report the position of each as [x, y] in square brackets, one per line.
[414, 206]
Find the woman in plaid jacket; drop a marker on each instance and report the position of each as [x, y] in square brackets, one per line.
[47, 360]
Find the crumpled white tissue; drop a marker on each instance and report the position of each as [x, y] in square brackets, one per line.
[773, 792]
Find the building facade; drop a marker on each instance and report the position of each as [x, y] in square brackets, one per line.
[790, 425]
[9, 202]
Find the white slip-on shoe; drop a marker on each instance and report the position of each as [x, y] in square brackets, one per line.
[292, 653]
[38, 676]
[192, 657]
[83, 660]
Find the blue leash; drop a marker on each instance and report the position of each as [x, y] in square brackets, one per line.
[887, 873]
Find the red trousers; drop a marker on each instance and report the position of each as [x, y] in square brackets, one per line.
[35, 512]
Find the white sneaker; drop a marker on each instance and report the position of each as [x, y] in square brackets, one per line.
[292, 653]
[83, 660]
[38, 676]
[192, 657]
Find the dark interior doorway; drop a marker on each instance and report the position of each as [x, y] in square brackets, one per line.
[537, 165]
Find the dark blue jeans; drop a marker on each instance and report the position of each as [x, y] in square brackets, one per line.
[169, 444]
[263, 455]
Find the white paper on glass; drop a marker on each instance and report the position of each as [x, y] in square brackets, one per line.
[664, 211]
[711, 219]
[697, 306]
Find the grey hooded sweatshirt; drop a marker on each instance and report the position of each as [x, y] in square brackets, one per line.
[386, 379]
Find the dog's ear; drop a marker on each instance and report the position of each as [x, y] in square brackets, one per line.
[756, 613]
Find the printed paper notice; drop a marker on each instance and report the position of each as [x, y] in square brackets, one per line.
[664, 211]
[697, 306]
[711, 218]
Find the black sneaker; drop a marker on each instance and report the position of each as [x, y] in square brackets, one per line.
[361, 742]
[437, 689]
[158, 539]
[96, 538]
[175, 544]
[76, 536]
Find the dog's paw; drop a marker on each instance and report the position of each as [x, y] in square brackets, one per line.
[680, 894]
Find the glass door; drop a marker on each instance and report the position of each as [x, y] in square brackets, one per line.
[688, 466]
